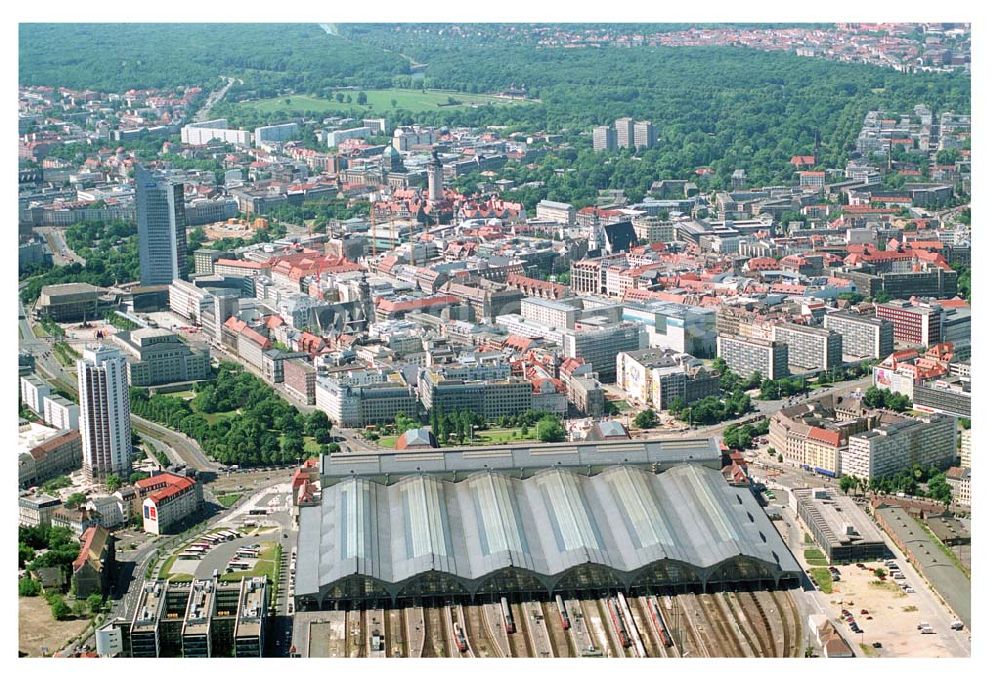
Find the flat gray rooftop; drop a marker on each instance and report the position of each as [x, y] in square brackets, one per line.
[523, 459]
[944, 576]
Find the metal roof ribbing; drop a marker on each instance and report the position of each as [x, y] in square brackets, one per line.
[625, 519]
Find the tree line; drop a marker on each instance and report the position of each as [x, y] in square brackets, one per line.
[265, 430]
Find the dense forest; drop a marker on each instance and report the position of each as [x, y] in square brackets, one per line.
[117, 57]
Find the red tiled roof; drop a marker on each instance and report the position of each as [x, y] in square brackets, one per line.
[831, 437]
[239, 263]
[87, 541]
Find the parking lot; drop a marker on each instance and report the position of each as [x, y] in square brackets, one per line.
[893, 616]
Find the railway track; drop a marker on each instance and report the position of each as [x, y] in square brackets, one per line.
[789, 622]
[705, 626]
[673, 651]
[794, 621]
[694, 637]
[616, 640]
[558, 638]
[433, 635]
[741, 622]
[519, 639]
[413, 618]
[774, 617]
[640, 614]
[724, 629]
[596, 626]
[396, 634]
[456, 614]
[760, 623]
[491, 616]
[355, 634]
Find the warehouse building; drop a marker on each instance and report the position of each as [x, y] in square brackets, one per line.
[632, 524]
[839, 526]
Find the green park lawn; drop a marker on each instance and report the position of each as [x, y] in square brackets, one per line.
[379, 102]
[815, 556]
[500, 435]
[227, 500]
[220, 415]
[823, 578]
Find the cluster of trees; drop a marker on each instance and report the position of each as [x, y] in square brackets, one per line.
[111, 252]
[741, 436]
[267, 430]
[909, 482]
[880, 398]
[321, 212]
[785, 387]
[709, 410]
[59, 544]
[964, 281]
[460, 425]
[646, 419]
[550, 429]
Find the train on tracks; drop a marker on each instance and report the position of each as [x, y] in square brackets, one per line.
[618, 621]
[508, 618]
[459, 635]
[562, 612]
[661, 625]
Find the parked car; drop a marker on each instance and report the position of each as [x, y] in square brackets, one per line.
[876, 645]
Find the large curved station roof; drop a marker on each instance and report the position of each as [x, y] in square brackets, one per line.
[624, 518]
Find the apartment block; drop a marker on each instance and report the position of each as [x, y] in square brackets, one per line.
[625, 132]
[862, 336]
[646, 135]
[748, 355]
[300, 380]
[605, 139]
[560, 212]
[443, 391]
[899, 443]
[653, 377]
[810, 347]
[44, 453]
[365, 398]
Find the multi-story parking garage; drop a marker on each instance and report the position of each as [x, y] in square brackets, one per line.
[431, 535]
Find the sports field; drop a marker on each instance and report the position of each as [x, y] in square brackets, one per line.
[380, 102]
